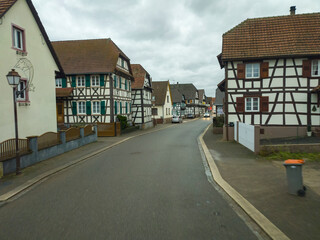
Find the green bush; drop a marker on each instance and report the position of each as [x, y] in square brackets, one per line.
[218, 121]
[123, 121]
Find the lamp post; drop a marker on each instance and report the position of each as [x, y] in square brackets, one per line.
[13, 79]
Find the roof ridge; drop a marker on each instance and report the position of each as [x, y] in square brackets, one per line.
[79, 40]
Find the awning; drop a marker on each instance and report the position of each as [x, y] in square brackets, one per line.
[63, 92]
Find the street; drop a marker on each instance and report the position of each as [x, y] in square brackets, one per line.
[150, 187]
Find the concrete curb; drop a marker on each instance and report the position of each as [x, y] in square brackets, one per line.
[47, 174]
[269, 228]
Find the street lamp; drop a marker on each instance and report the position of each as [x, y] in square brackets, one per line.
[13, 79]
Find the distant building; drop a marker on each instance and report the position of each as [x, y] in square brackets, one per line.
[161, 102]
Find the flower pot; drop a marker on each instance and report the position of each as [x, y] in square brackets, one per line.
[309, 134]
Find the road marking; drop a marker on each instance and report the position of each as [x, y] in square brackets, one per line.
[255, 214]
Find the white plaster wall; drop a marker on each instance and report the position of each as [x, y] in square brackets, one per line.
[40, 116]
[291, 119]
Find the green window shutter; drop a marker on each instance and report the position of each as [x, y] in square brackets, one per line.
[74, 108]
[73, 81]
[87, 80]
[64, 82]
[129, 85]
[115, 81]
[122, 63]
[126, 107]
[120, 107]
[88, 107]
[103, 107]
[115, 107]
[126, 84]
[119, 82]
[101, 80]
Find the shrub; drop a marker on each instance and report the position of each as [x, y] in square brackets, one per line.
[218, 121]
[123, 121]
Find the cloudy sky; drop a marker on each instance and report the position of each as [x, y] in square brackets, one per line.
[172, 39]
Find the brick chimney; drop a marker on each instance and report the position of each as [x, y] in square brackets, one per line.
[292, 10]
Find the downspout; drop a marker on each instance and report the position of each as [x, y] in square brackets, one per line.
[111, 98]
[226, 101]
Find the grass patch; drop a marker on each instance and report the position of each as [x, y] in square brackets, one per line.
[313, 157]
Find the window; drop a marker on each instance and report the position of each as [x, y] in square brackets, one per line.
[82, 107]
[18, 38]
[22, 91]
[315, 68]
[95, 81]
[58, 82]
[153, 98]
[252, 70]
[167, 99]
[154, 111]
[81, 81]
[96, 107]
[252, 104]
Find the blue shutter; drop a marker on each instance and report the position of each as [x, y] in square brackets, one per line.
[73, 81]
[101, 80]
[87, 80]
[88, 107]
[64, 82]
[115, 81]
[74, 108]
[115, 107]
[103, 107]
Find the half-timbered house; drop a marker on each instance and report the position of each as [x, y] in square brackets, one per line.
[191, 95]
[98, 83]
[271, 74]
[203, 106]
[178, 102]
[25, 47]
[161, 102]
[141, 97]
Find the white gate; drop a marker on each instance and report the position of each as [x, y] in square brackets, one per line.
[245, 135]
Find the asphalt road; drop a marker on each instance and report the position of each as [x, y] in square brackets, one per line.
[150, 187]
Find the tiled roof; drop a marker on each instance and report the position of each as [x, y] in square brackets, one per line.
[176, 95]
[5, 5]
[187, 89]
[201, 94]
[159, 92]
[139, 74]
[89, 56]
[292, 35]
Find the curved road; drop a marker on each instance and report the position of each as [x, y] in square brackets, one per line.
[150, 187]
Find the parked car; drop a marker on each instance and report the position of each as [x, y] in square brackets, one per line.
[177, 119]
[206, 115]
[190, 115]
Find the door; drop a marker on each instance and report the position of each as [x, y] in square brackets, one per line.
[60, 115]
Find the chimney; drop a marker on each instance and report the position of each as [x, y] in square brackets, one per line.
[292, 10]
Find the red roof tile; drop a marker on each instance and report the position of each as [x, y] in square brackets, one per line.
[89, 56]
[293, 35]
[139, 74]
[5, 5]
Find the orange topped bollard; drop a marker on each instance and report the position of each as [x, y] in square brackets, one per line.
[294, 176]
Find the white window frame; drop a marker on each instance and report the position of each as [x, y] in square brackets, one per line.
[81, 81]
[22, 89]
[95, 80]
[249, 106]
[81, 107]
[315, 68]
[58, 82]
[18, 38]
[250, 70]
[96, 107]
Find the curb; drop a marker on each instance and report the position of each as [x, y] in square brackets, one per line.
[35, 180]
[270, 229]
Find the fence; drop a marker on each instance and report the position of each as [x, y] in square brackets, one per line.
[36, 149]
[109, 129]
[48, 139]
[8, 148]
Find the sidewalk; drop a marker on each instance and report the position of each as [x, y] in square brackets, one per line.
[263, 184]
[35, 173]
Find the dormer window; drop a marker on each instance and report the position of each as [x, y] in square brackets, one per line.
[18, 38]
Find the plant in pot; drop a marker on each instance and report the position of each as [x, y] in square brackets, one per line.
[309, 133]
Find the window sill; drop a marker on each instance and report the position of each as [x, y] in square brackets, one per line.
[23, 103]
[20, 51]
